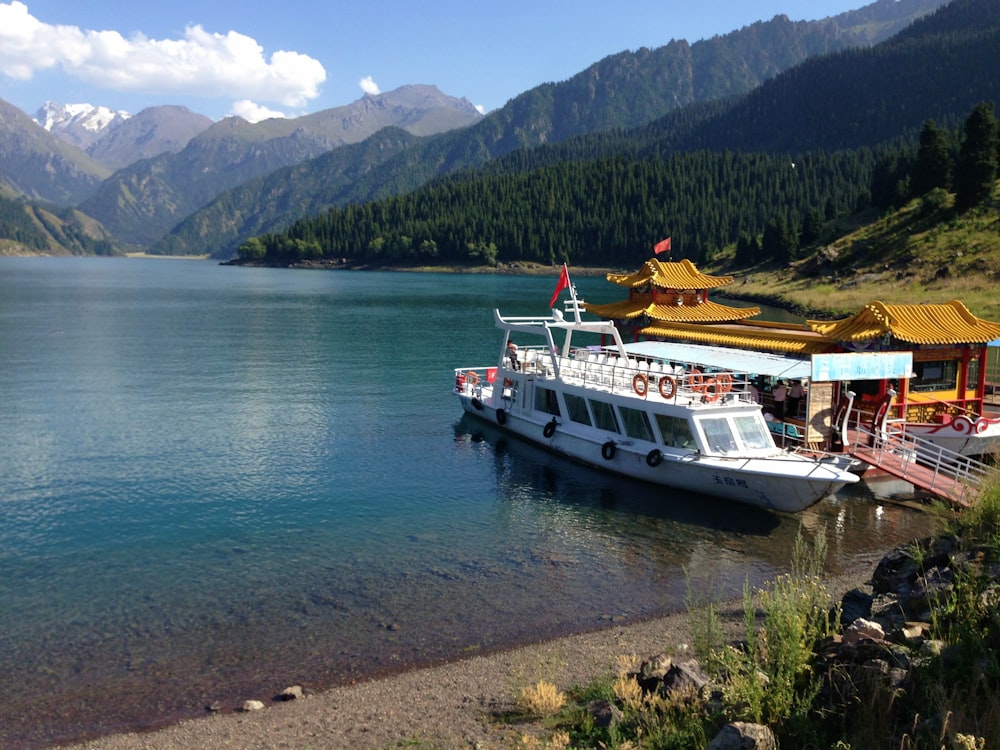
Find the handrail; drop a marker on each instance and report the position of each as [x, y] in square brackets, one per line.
[950, 472]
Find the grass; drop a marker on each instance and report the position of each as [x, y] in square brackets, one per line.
[771, 675]
[924, 252]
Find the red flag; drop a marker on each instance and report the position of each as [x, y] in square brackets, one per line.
[563, 283]
[662, 247]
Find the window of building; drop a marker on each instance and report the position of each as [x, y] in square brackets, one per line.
[938, 375]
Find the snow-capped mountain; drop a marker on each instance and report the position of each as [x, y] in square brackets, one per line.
[79, 124]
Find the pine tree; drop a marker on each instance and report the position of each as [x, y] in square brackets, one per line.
[933, 166]
[976, 171]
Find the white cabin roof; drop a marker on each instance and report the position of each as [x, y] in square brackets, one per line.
[737, 360]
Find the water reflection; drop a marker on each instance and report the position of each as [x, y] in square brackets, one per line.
[857, 521]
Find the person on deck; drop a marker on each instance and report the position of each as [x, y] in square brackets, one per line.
[780, 395]
[512, 355]
[795, 394]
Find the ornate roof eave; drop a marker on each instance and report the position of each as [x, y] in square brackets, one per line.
[949, 323]
[743, 335]
[703, 312]
[674, 275]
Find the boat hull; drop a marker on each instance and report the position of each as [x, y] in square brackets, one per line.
[969, 437]
[755, 481]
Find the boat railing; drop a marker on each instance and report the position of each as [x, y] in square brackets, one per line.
[642, 378]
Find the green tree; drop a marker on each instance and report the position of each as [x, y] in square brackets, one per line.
[976, 171]
[933, 166]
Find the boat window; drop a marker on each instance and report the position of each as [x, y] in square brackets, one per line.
[636, 423]
[718, 435]
[577, 408]
[752, 432]
[604, 416]
[545, 400]
[676, 431]
[940, 375]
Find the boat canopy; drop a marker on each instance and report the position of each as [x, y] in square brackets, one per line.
[737, 360]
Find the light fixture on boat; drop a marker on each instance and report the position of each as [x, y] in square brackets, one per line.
[557, 314]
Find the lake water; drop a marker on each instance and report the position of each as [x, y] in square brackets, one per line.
[216, 482]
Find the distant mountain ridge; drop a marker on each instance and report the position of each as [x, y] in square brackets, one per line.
[38, 166]
[142, 201]
[78, 124]
[623, 91]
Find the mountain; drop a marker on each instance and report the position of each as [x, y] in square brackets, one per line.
[151, 132]
[625, 90]
[37, 165]
[35, 229]
[78, 124]
[142, 201]
[603, 199]
[117, 139]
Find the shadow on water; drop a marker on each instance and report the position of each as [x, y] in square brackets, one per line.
[579, 485]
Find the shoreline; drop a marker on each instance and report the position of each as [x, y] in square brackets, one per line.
[458, 704]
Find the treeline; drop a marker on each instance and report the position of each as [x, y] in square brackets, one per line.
[608, 211]
[34, 228]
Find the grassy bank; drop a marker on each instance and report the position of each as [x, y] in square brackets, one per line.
[779, 673]
[923, 252]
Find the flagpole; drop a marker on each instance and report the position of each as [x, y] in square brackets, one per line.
[572, 296]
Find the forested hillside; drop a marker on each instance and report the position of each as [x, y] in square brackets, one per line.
[622, 91]
[32, 228]
[607, 212]
[604, 200]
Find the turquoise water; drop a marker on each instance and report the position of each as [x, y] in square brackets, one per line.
[216, 482]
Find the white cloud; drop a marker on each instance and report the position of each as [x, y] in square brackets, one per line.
[369, 86]
[199, 64]
[480, 109]
[253, 112]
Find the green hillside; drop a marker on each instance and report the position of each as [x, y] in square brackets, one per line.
[922, 252]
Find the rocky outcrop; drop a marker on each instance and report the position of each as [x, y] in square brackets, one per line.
[887, 633]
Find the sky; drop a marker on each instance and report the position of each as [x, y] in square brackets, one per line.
[295, 57]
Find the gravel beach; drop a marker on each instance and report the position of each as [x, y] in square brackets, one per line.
[455, 705]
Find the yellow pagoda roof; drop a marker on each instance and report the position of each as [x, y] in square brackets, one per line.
[680, 275]
[750, 335]
[704, 312]
[948, 323]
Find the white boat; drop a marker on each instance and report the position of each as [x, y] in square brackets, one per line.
[677, 424]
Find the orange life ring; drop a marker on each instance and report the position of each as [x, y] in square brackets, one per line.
[696, 381]
[725, 381]
[667, 380]
[472, 377]
[640, 384]
[710, 391]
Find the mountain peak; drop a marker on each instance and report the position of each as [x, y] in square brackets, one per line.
[79, 124]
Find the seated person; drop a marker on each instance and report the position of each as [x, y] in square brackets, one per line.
[512, 355]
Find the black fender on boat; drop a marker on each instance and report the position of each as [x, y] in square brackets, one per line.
[655, 457]
[501, 417]
[550, 428]
[477, 404]
[608, 450]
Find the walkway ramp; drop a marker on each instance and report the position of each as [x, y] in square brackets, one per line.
[946, 474]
